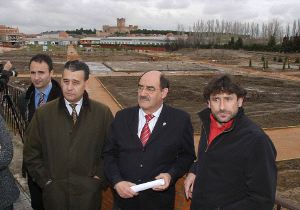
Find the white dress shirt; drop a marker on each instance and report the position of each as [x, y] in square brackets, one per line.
[142, 120]
[77, 108]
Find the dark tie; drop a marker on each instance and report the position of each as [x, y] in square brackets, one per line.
[41, 99]
[74, 113]
[145, 134]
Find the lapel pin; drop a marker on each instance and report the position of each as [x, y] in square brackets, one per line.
[164, 123]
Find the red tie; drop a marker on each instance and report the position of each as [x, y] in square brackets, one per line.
[145, 134]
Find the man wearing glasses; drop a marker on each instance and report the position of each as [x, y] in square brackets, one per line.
[147, 142]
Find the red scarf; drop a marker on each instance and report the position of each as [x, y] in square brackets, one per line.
[215, 128]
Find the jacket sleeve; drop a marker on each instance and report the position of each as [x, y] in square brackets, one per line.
[33, 152]
[110, 154]
[6, 146]
[186, 155]
[261, 175]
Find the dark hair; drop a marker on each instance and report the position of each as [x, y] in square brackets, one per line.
[77, 65]
[223, 84]
[39, 58]
[164, 82]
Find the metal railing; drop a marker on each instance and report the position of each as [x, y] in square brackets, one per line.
[11, 114]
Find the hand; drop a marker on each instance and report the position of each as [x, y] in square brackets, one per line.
[7, 66]
[167, 178]
[124, 190]
[189, 185]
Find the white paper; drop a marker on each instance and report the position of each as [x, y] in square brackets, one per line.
[147, 185]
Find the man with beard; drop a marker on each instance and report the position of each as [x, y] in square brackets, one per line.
[147, 142]
[236, 167]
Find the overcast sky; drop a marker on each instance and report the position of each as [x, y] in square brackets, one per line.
[35, 16]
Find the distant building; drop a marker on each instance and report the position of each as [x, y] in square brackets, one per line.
[154, 43]
[54, 34]
[52, 41]
[58, 38]
[10, 37]
[144, 40]
[120, 28]
[7, 30]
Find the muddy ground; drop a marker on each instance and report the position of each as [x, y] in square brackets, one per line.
[21, 58]
[269, 102]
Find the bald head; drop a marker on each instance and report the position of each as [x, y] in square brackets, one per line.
[163, 81]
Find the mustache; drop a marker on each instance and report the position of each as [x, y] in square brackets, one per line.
[224, 112]
[145, 98]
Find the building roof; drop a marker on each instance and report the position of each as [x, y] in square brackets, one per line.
[51, 39]
[154, 38]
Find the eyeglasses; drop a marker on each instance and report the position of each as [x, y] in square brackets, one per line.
[147, 88]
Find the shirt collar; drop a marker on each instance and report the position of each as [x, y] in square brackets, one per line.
[78, 107]
[46, 90]
[156, 113]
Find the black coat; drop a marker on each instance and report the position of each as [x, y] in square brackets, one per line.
[237, 171]
[170, 149]
[26, 105]
[27, 101]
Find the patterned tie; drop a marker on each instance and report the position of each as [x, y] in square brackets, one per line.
[41, 99]
[145, 134]
[74, 113]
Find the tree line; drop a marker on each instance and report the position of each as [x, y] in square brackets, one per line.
[271, 36]
[82, 31]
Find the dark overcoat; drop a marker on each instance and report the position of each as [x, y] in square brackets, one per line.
[170, 149]
[68, 155]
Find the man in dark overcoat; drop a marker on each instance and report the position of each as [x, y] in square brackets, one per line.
[63, 147]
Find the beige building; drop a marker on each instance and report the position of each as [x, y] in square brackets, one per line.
[10, 37]
[120, 28]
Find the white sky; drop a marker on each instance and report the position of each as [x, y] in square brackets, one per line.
[35, 16]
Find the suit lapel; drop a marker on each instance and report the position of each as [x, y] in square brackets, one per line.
[133, 122]
[161, 124]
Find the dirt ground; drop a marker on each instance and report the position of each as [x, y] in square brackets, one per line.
[270, 102]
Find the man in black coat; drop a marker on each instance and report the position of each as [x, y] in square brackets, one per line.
[147, 142]
[235, 168]
[43, 89]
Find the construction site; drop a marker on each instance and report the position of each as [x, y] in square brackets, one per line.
[273, 99]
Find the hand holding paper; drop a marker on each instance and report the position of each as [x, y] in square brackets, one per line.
[147, 185]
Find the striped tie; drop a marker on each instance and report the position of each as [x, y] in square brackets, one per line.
[145, 134]
[41, 99]
[74, 113]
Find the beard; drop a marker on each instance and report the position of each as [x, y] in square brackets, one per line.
[224, 116]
